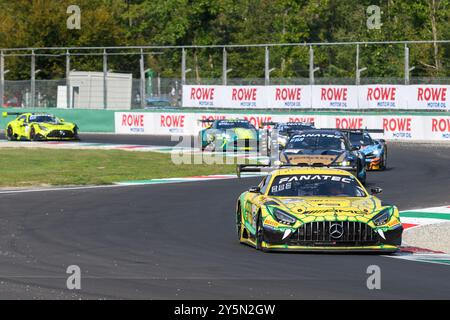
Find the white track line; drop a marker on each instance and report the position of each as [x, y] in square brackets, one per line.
[61, 189]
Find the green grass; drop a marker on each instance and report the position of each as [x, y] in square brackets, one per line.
[44, 167]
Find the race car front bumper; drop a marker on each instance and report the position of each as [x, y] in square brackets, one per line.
[237, 145]
[383, 249]
[316, 236]
[373, 164]
[58, 135]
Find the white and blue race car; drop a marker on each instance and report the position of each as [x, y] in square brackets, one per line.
[375, 150]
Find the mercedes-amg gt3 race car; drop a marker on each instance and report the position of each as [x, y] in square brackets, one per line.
[39, 126]
[375, 150]
[316, 209]
[324, 148]
[229, 135]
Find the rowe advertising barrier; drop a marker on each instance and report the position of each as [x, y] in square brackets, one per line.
[413, 97]
[397, 127]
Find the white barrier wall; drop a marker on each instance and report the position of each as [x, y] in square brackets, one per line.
[401, 127]
[424, 97]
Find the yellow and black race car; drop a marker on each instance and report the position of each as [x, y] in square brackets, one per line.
[316, 209]
[39, 126]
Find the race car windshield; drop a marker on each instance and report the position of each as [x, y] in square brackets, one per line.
[43, 118]
[283, 129]
[234, 124]
[316, 185]
[319, 141]
[360, 139]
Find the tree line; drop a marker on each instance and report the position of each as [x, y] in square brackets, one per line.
[43, 23]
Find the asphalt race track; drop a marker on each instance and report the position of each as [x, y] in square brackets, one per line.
[129, 139]
[178, 241]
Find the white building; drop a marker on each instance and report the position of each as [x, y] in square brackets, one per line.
[87, 91]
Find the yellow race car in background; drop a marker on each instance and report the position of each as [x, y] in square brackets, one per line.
[39, 126]
[316, 209]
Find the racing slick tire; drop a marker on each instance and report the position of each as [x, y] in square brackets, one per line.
[362, 178]
[32, 134]
[10, 134]
[75, 134]
[239, 223]
[259, 234]
[383, 165]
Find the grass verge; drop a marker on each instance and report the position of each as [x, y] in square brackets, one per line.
[43, 167]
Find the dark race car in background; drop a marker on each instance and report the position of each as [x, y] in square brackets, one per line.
[329, 148]
[229, 135]
[375, 150]
[280, 132]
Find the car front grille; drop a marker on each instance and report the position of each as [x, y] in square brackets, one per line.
[334, 233]
[60, 134]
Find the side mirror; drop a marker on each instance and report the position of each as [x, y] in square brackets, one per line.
[382, 141]
[356, 148]
[255, 190]
[62, 120]
[376, 190]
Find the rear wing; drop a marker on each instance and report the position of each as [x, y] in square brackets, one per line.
[356, 130]
[272, 123]
[212, 120]
[268, 123]
[6, 114]
[206, 120]
[269, 168]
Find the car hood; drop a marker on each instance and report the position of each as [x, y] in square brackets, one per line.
[330, 207]
[313, 156]
[57, 126]
[240, 133]
[369, 149]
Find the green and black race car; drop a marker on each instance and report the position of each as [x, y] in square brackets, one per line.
[39, 126]
[229, 135]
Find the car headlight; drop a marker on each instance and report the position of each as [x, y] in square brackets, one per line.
[345, 163]
[382, 217]
[376, 152]
[283, 217]
[43, 128]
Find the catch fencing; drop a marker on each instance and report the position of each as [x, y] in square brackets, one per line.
[158, 73]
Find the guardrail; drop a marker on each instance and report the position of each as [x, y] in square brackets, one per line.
[412, 127]
[310, 69]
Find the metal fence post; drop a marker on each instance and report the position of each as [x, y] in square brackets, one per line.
[68, 100]
[311, 65]
[183, 66]
[105, 82]
[358, 78]
[159, 84]
[142, 83]
[266, 67]
[2, 78]
[224, 67]
[406, 65]
[33, 79]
